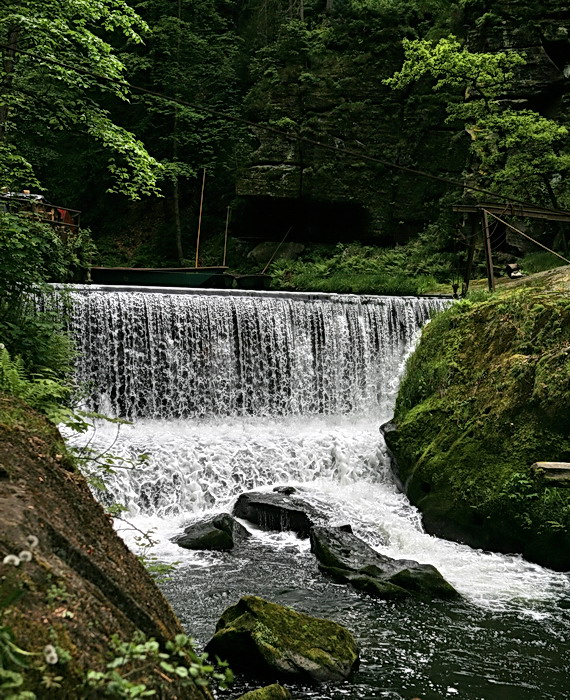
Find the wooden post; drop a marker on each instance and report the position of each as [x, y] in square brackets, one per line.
[470, 255]
[200, 216]
[488, 254]
[226, 235]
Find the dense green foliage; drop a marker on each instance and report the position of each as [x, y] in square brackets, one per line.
[414, 268]
[312, 69]
[41, 99]
[484, 397]
[518, 151]
[31, 254]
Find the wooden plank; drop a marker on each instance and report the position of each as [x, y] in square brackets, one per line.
[470, 255]
[555, 473]
[515, 210]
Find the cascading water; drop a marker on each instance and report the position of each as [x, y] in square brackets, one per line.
[234, 392]
[188, 355]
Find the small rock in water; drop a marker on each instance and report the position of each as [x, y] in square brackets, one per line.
[218, 532]
[285, 490]
[350, 560]
[270, 692]
[277, 511]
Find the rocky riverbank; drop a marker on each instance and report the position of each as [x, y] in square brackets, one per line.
[71, 593]
[485, 396]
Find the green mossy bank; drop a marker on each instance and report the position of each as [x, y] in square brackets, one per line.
[485, 395]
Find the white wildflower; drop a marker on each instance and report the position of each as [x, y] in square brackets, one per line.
[50, 654]
[25, 555]
[32, 541]
[11, 559]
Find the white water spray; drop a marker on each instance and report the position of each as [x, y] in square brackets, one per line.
[233, 393]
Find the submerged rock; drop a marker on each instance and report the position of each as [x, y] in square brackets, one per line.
[280, 510]
[270, 692]
[218, 532]
[264, 640]
[350, 560]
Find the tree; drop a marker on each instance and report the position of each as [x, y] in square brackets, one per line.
[517, 151]
[55, 89]
[191, 54]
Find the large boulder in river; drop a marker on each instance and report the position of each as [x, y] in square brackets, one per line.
[283, 510]
[485, 396]
[350, 560]
[266, 640]
[73, 581]
[217, 532]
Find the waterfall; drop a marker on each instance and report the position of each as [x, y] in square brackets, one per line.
[173, 355]
[230, 392]
[233, 392]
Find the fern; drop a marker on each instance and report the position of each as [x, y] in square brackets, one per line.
[43, 393]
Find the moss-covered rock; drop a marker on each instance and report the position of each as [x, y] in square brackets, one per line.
[270, 692]
[79, 584]
[267, 640]
[484, 397]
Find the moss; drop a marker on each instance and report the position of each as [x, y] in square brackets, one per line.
[266, 639]
[485, 396]
[270, 692]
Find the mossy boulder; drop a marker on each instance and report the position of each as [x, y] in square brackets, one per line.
[266, 640]
[270, 692]
[79, 584]
[484, 397]
[348, 559]
[218, 532]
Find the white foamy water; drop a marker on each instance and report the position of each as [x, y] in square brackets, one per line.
[340, 466]
[234, 393]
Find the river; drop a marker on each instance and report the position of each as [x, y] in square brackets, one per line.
[232, 393]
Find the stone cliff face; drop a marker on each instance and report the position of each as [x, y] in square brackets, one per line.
[323, 80]
[81, 584]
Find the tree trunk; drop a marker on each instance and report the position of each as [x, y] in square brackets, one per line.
[177, 222]
[9, 63]
[176, 183]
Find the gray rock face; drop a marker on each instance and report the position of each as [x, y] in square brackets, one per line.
[350, 560]
[281, 510]
[218, 532]
[264, 640]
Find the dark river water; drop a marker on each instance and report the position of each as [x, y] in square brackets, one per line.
[513, 651]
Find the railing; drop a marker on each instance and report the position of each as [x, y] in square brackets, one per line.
[67, 220]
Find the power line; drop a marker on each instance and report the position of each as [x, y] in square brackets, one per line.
[266, 127]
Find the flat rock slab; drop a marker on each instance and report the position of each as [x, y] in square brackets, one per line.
[554, 473]
[282, 510]
[266, 640]
[350, 560]
[217, 532]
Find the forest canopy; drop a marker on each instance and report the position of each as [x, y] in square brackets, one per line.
[51, 53]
